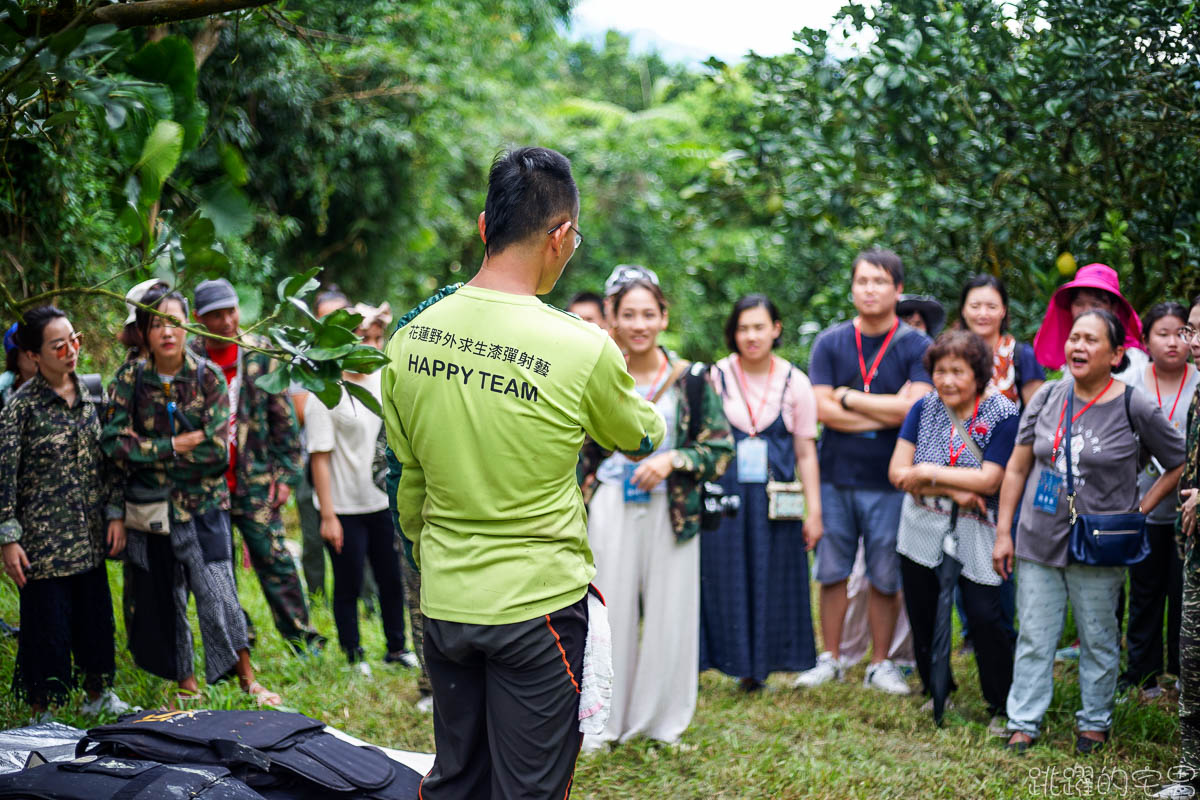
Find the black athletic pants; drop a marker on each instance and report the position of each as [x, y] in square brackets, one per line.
[367, 536]
[994, 639]
[505, 707]
[1154, 583]
[66, 630]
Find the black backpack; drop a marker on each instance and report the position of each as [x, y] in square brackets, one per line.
[278, 754]
[108, 778]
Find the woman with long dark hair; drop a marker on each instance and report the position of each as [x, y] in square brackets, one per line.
[755, 614]
[58, 520]
[168, 430]
[1156, 584]
[983, 310]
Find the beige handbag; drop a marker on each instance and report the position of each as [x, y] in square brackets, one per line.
[785, 500]
[148, 510]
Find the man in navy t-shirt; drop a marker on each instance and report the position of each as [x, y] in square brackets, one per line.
[866, 373]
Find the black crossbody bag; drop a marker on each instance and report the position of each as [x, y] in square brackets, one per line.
[1103, 540]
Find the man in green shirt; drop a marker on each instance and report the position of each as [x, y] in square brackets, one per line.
[486, 400]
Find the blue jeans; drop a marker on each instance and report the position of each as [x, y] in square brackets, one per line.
[1042, 595]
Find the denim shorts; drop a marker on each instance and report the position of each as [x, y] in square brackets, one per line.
[850, 514]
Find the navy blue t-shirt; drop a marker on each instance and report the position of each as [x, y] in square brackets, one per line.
[860, 460]
[1028, 369]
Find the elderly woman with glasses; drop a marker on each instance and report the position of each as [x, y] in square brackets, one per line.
[59, 517]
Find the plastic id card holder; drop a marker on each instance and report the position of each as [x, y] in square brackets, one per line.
[1049, 486]
[633, 492]
[752, 460]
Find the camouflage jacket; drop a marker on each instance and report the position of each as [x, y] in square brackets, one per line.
[706, 457]
[137, 434]
[1190, 480]
[267, 436]
[57, 490]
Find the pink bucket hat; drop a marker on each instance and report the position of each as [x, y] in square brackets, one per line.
[1051, 338]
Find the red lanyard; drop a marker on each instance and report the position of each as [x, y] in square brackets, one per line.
[867, 377]
[954, 454]
[745, 387]
[1058, 433]
[662, 370]
[1182, 382]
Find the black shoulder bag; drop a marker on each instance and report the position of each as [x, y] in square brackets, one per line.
[1103, 540]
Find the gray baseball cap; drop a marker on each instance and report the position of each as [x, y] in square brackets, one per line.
[214, 295]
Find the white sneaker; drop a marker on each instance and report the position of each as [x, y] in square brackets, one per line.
[827, 669]
[425, 704]
[1175, 791]
[885, 677]
[107, 702]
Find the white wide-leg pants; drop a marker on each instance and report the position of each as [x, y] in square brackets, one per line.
[655, 665]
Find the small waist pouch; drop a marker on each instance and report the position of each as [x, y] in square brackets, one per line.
[148, 509]
[215, 535]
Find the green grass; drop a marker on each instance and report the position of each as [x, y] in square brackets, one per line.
[839, 741]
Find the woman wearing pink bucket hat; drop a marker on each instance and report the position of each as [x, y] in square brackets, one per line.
[1094, 286]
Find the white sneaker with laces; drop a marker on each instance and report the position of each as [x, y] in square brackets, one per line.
[1175, 791]
[827, 669]
[107, 702]
[885, 677]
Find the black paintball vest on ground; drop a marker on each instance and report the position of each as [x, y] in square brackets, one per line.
[108, 778]
[282, 756]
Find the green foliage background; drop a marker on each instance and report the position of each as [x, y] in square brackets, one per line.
[969, 136]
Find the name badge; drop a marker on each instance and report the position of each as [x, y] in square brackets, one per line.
[752, 460]
[1045, 499]
[633, 492]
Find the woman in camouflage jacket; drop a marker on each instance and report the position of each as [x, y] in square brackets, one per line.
[168, 428]
[59, 517]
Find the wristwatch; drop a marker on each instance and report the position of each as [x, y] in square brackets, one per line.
[677, 460]
[845, 394]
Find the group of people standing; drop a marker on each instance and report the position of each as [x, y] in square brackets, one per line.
[960, 434]
[184, 447]
[698, 494]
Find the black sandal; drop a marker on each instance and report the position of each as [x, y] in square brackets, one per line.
[1085, 746]
[1018, 747]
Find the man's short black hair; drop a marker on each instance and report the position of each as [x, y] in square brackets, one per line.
[587, 297]
[886, 260]
[529, 189]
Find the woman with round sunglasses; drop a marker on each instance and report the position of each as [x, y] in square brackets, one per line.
[168, 430]
[59, 519]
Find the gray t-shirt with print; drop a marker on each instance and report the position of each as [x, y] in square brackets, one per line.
[1104, 453]
[1164, 513]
